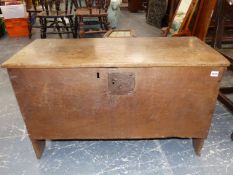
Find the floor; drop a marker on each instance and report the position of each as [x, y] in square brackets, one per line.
[143, 157]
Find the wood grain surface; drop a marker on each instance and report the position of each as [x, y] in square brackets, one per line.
[77, 103]
[116, 52]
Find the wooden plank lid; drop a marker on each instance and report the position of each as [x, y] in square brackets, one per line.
[116, 52]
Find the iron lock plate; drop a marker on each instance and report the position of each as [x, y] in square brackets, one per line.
[121, 83]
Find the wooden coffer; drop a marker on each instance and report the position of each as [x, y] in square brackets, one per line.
[130, 88]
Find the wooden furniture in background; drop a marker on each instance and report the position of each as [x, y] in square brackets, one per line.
[223, 24]
[57, 15]
[116, 88]
[197, 21]
[35, 8]
[28, 4]
[124, 4]
[119, 34]
[2, 3]
[224, 91]
[135, 5]
[203, 18]
[2, 27]
[179, 25]
[222, 19]
[145, 5]
[96, 12]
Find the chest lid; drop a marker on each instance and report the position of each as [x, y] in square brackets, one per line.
[116, 52]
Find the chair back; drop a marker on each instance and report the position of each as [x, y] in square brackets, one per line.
[102, 5]
[56, 6]
[36, 4]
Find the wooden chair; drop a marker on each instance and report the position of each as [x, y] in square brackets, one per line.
[96, 13]
[203, 18]
[57, 15]
[197, 19]
[183, 17]
[224, 91]
[32, 15]
[222, 24]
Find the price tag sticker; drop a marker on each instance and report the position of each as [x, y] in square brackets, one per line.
[214, 73]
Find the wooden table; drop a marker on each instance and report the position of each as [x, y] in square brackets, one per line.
[116, 88]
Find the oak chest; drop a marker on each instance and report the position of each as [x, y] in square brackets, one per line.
[118, 88]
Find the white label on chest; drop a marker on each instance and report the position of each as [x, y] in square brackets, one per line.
[214, 73]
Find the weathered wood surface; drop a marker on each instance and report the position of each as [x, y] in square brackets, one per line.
[78, 104]
[197, 145]
[127, 88]
[38, 146]
[116, 52]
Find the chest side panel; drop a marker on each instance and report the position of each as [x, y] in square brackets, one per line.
[80, 104]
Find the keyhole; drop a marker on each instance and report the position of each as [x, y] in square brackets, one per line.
[98, 75]
[114, 80]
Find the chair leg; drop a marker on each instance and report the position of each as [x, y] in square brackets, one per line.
[45, 27]
[64, 23]
[109, 27]
[101, 23]
[81, 28]
[42, 28]
[75, 27]
[106, 23]
[72, 26]
[30, 25]
[58, 27]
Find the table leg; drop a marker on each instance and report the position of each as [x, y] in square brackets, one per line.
[38, 146]
[197, 145]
